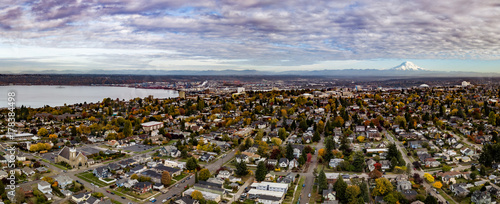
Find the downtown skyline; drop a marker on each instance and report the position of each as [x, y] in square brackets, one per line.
[248, 35]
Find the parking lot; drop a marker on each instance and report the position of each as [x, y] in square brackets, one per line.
[137, 148]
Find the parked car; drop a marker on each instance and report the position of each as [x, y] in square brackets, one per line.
[164, 200]
[309, 195]
[123, 197]
[153, 200]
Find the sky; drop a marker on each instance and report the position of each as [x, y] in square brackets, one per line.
[267, 35]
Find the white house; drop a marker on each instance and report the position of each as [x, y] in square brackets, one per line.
[44, 187]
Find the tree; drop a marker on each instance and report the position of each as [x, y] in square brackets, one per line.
[375, 174]
[429, 177]
[241, 168]
[430, 200]
[127, 128]
[383, 187]
[191, 164]
[52, 136]
[134, 176]
[261, 172]
[197, 195]
[437, 184]
[166, 178]
[364, 192]
[352, 192]
[340, 187]
[289, 152]
[446, 168]
[316, 137]
[42, 132]
[204, 174]
[323, 183]
[19, 196]
[358, 161]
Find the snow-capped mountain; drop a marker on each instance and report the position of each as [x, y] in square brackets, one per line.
[408, 66]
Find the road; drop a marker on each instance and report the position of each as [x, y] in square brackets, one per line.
[212, 167]
[428, 187]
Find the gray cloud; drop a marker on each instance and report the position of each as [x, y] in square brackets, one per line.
[263, 33]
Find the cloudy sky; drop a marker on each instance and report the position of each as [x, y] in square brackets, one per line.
[446, 35]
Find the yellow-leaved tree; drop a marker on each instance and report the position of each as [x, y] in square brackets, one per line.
[429, 177]
[437, 184]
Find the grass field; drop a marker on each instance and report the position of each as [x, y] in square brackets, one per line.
[178, 178]
[89, 177]
[299, 190]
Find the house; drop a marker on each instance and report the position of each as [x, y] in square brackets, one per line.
[158, 186]
[206, 157]
[371, 164]
[112, 143]
[155, 177]
[242, 157]
[167, 150]
[63, 181]
[269, 186]
[459, 189]
[186, 200]
[28, 171]
[293, 164]
[403, 185]
[27, 189]
[101, 172]
[431, 162]
[79, 198]
[272, 162]
[143, 187]
[329, 194]
[297, 150]
[224, 174]
[481, 197]
[386, 164]
[283, 162]
[173, 171]
[44, 187]
[3, 174]
[335, 162]
[137, 169]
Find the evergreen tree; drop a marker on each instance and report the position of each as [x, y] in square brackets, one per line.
[323, 183]
[289, 152]
[241, 168]
[430, 200]
[261, 172]
[340, 187]
[316, 137]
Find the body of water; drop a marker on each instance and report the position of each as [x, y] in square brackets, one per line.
[39, 96]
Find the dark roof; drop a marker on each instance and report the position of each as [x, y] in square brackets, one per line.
[166, 168]
[151, 173]
[64, 153]
[80, 195]
[187, 199]
[210, 184]
[268, 197]
[142, 184]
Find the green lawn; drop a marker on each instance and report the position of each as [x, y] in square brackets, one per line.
[131, 193]
[178, 178]
[56, 165]
[445, 196]
[149, 150]
[89, 177]
[299, 190]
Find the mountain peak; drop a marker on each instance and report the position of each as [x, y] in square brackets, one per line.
[408, 66]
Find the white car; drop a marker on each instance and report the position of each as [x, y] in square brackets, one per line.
[164, 200]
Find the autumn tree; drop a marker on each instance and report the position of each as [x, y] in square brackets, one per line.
[437, 184]
[197, 195]
[383, 187]
[134, 176]
[166, 178]
[429, 177]
[52, 136]
[204, 174]
[352, 192]
[42, 132]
